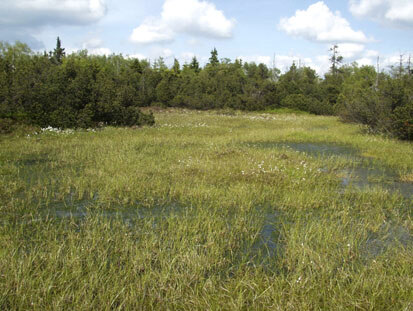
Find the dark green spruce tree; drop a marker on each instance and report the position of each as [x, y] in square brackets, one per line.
[58, 52]
[213, 60]
[194, 65]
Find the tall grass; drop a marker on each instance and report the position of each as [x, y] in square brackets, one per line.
[204, 211]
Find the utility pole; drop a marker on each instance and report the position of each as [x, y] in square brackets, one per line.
[401, 65]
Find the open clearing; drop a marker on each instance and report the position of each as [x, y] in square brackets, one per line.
[207, 211]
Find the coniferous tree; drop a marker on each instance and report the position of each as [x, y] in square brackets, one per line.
[194, 65]
[213, 60]
[136, 66]
[159, 64]
[58, 52]
[85, 90]
[176, 67]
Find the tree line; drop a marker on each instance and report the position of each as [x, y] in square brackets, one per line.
[81, 90]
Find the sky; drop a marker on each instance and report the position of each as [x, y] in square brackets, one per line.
[273, 32]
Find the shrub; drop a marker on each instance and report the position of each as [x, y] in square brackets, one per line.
[308, 104]
[15, 127]
[7, 125]
[402, 118]
[295, 101]
[320, 107]
[132, 116]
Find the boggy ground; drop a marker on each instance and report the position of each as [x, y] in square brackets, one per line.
[207, 211]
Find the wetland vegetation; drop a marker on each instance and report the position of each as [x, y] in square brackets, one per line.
[207, 211]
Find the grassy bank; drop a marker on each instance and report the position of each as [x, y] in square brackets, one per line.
[207, 211]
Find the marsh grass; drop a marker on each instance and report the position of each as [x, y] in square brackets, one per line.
[206, 210]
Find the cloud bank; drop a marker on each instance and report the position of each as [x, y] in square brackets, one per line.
[193, 17]
[319, 24]
[23, 19]
[397, 13]
[34, 13]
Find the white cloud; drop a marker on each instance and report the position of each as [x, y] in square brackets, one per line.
[350, 50]
[258, 59]
[194, 42]
[385, 61]
[319, 24]
[372, 53]
[90, 51]
[99, 51]
[167, 53]
[364, 61]
[283, 62]
[354, 53]
[322, 63]
[23, 20]
[137, 56]
[154, 54]
[191, 17]
[94, 46]
[12, 34]
[366, 58]
[50, 12]
[186, 57]
[390, 60]
[196, 17]
[393, 12]
[152, 31]
[92, 43]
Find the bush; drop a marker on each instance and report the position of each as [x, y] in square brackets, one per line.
[132, 116]
[402, 118]
[368, 108]
[296, 101]
[320, 107]
[7, 126]
[11, 126]
[308, 104]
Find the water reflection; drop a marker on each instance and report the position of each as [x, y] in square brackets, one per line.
[130, 215]
[363, 174]
[388, 236]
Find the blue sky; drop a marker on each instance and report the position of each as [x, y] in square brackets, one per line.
[269, 31]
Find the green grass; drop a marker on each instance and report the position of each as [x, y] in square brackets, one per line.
[285, 110]
[204, 211]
